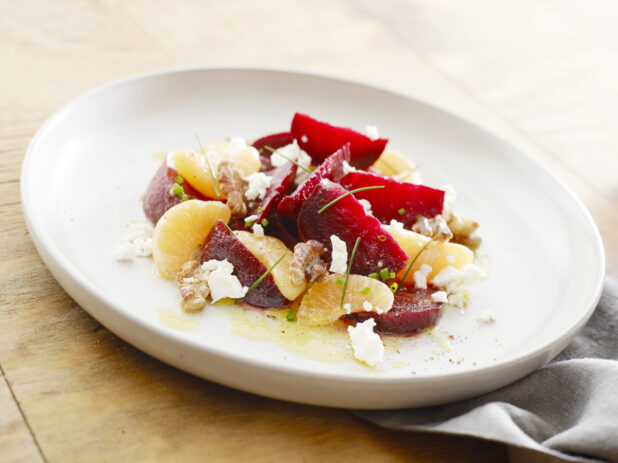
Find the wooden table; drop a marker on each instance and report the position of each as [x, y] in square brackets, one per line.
[541, 73]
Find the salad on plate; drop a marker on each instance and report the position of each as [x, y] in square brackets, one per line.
[323, 222]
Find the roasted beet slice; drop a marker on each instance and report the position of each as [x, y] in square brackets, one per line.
[282, 179]
[331, 169]
[275, 141]
[221, 244]
[398, 200]
[347, 219]
[413, 311]
[320, 139]
[283, 228]
[158, 198]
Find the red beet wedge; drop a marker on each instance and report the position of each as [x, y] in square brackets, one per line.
[282, 179]
[221, 244]
[275, 141]
[413, 311]
[158, 198]
[398, 200]
[320, 139]
[331, 169]
[347, 219]
[283, 228]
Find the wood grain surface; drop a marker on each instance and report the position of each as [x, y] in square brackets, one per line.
[541, 73]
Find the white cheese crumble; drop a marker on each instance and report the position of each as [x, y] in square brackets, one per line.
[339, 255]
[291, 151]
[488, 316]
[366, 345]
[458, 283]
[372, 132]
[396, 224]
[221, 282]
[347, 168]
[367, 206]
[420, 276]
[258, 230]
[236, 144]
[439, 296]
[250, 219]
[258, 184]
[138, 242]
[347, 307]
[449, 200]
[367, 306]
[304, 139]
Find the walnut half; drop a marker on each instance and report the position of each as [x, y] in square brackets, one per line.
[191, 280]
[307, 263]
[463, 232]
[431, 227]
[234, 188]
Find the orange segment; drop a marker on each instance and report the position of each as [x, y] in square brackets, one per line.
[181, 230]
[438, 254]
[396, 165]
[322, 303]
[268, 250]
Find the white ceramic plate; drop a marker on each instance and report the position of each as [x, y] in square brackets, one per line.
[89, 164]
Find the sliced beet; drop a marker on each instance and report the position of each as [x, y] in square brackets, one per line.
[331, 169]
[158, 199]
[275, 141]
[347, 219]
[282, 180]
[283, 228]
[396, 197]
[221, 244]
[321, 139]
[413, 311]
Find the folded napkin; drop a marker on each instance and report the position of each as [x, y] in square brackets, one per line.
[567, 409]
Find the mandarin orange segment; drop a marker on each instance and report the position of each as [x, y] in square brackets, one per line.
[322, 303]
[396, 165]
[193, 167]
[181, 230]
[438, 254]
[268, 250]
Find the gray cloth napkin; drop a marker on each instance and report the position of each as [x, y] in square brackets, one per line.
[567, 409]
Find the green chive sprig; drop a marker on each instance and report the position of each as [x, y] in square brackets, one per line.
[273, 150]
[264, 275]
[347, 273]
[416, 258]
[351, 192]
[212, 173]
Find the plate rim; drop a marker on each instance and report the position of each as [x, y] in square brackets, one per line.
[56, 262]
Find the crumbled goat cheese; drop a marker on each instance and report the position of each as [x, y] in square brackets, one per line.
[294, 152]
[372, 132]
[488, 316]
[221, 281]
[236, 144]
[450, 259]
[458, 283]
[450, 194]
[366, 344]
[347, 307]
[347, 168]
[420, 276]
[439, 296]
[339, 255]
[396, 224]
[367, 306]
[258, 230]
[138, 242]
[258, 184]
[304, 139]
[367, 206]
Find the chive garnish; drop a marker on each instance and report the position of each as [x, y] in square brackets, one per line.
[264, 275]
[212, 174]
[382, 237]
[373, 275]
[180, 192]
[264, 223]
[394, 287]
[366, 290]
[347, 273]
[401, 211]
[291, 316]
[179, 180]
[391, 275]
[339, 281]
[273, 150]
[228, 227]
[384, 274]
[351, 192]
[416, 257]
[259, 209]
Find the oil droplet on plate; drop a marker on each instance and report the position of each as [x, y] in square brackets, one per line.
[177, 321]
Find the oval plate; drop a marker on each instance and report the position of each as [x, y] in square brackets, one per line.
[87, 167]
